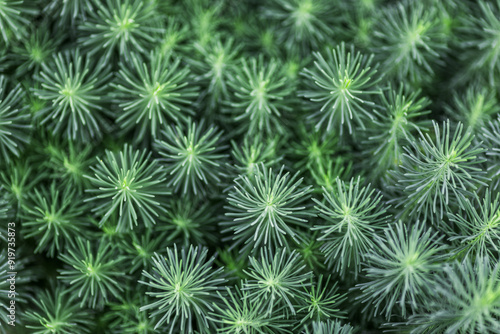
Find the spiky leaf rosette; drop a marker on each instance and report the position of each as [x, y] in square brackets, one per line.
[175, 37]
[328, 327]
[474, 107]
[190, 221]
[266, 208]
[139, 248]
[490, 135]
[92, 273]
[183, 287]
[18, 180]
[313, 148]
[14, 121]
[401, 269]
[276, 279]
[30, 53]
[76, 88]
[14, 19]
[409, 42]
[239, 314]
[261, 96]
[193, 154]
[340, 88]
[480, 34]
[119, 27]
[214, 68]
[57, 312]
[130, 183]
[125, 316]
[249, 154]
[68, 12]
[303, 25]
[400, 117]
[54, 218]
[438, 172]
[67, 162]
[479, 226]
[352, 214]
[465, 299]
[151, 92]
[204, 18]
[321, 302]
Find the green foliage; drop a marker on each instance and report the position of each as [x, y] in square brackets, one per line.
[266, 208]
[92, 273]
[409, 42]
[401, 116]
[214, 122]
[321, 302]
[14, 18]
[183, 288]
[130, 183]
[152, 92]
[276, 278]
[57, 312]
[119, 27]
[193, 156]
[465, 299]
[479, 226]
[215, 67]
[14, 121]
[190, 221]
[474, 107]
[400, 269]
[304, 25]
[329, 327]
[54, 218]
[481, 41]
[440, 171]
[260, 100]
[490, 135]
[74, 85]
[340, 88]
[351, 215]
[239, 314]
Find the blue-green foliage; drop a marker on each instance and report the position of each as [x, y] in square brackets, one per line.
[257, 166]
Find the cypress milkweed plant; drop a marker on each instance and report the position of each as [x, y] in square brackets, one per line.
[280, 166]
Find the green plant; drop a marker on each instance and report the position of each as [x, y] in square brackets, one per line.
[479, 226]
[440, 171]
[92, 273]
[183, 288]
[265, 209]
[304, 25]
[400, 269]
[409, 42]
[351, 215]
[58, 312]
[465, 299]
[276, 278]
[193, 155]
[340, 88]
[401, 116]
[154, 92]
[130, 183]
[14, 121]
[239, 314]
[321, 302]
[75, 86]
[261, 96]
[54, 218]
[118, 27]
